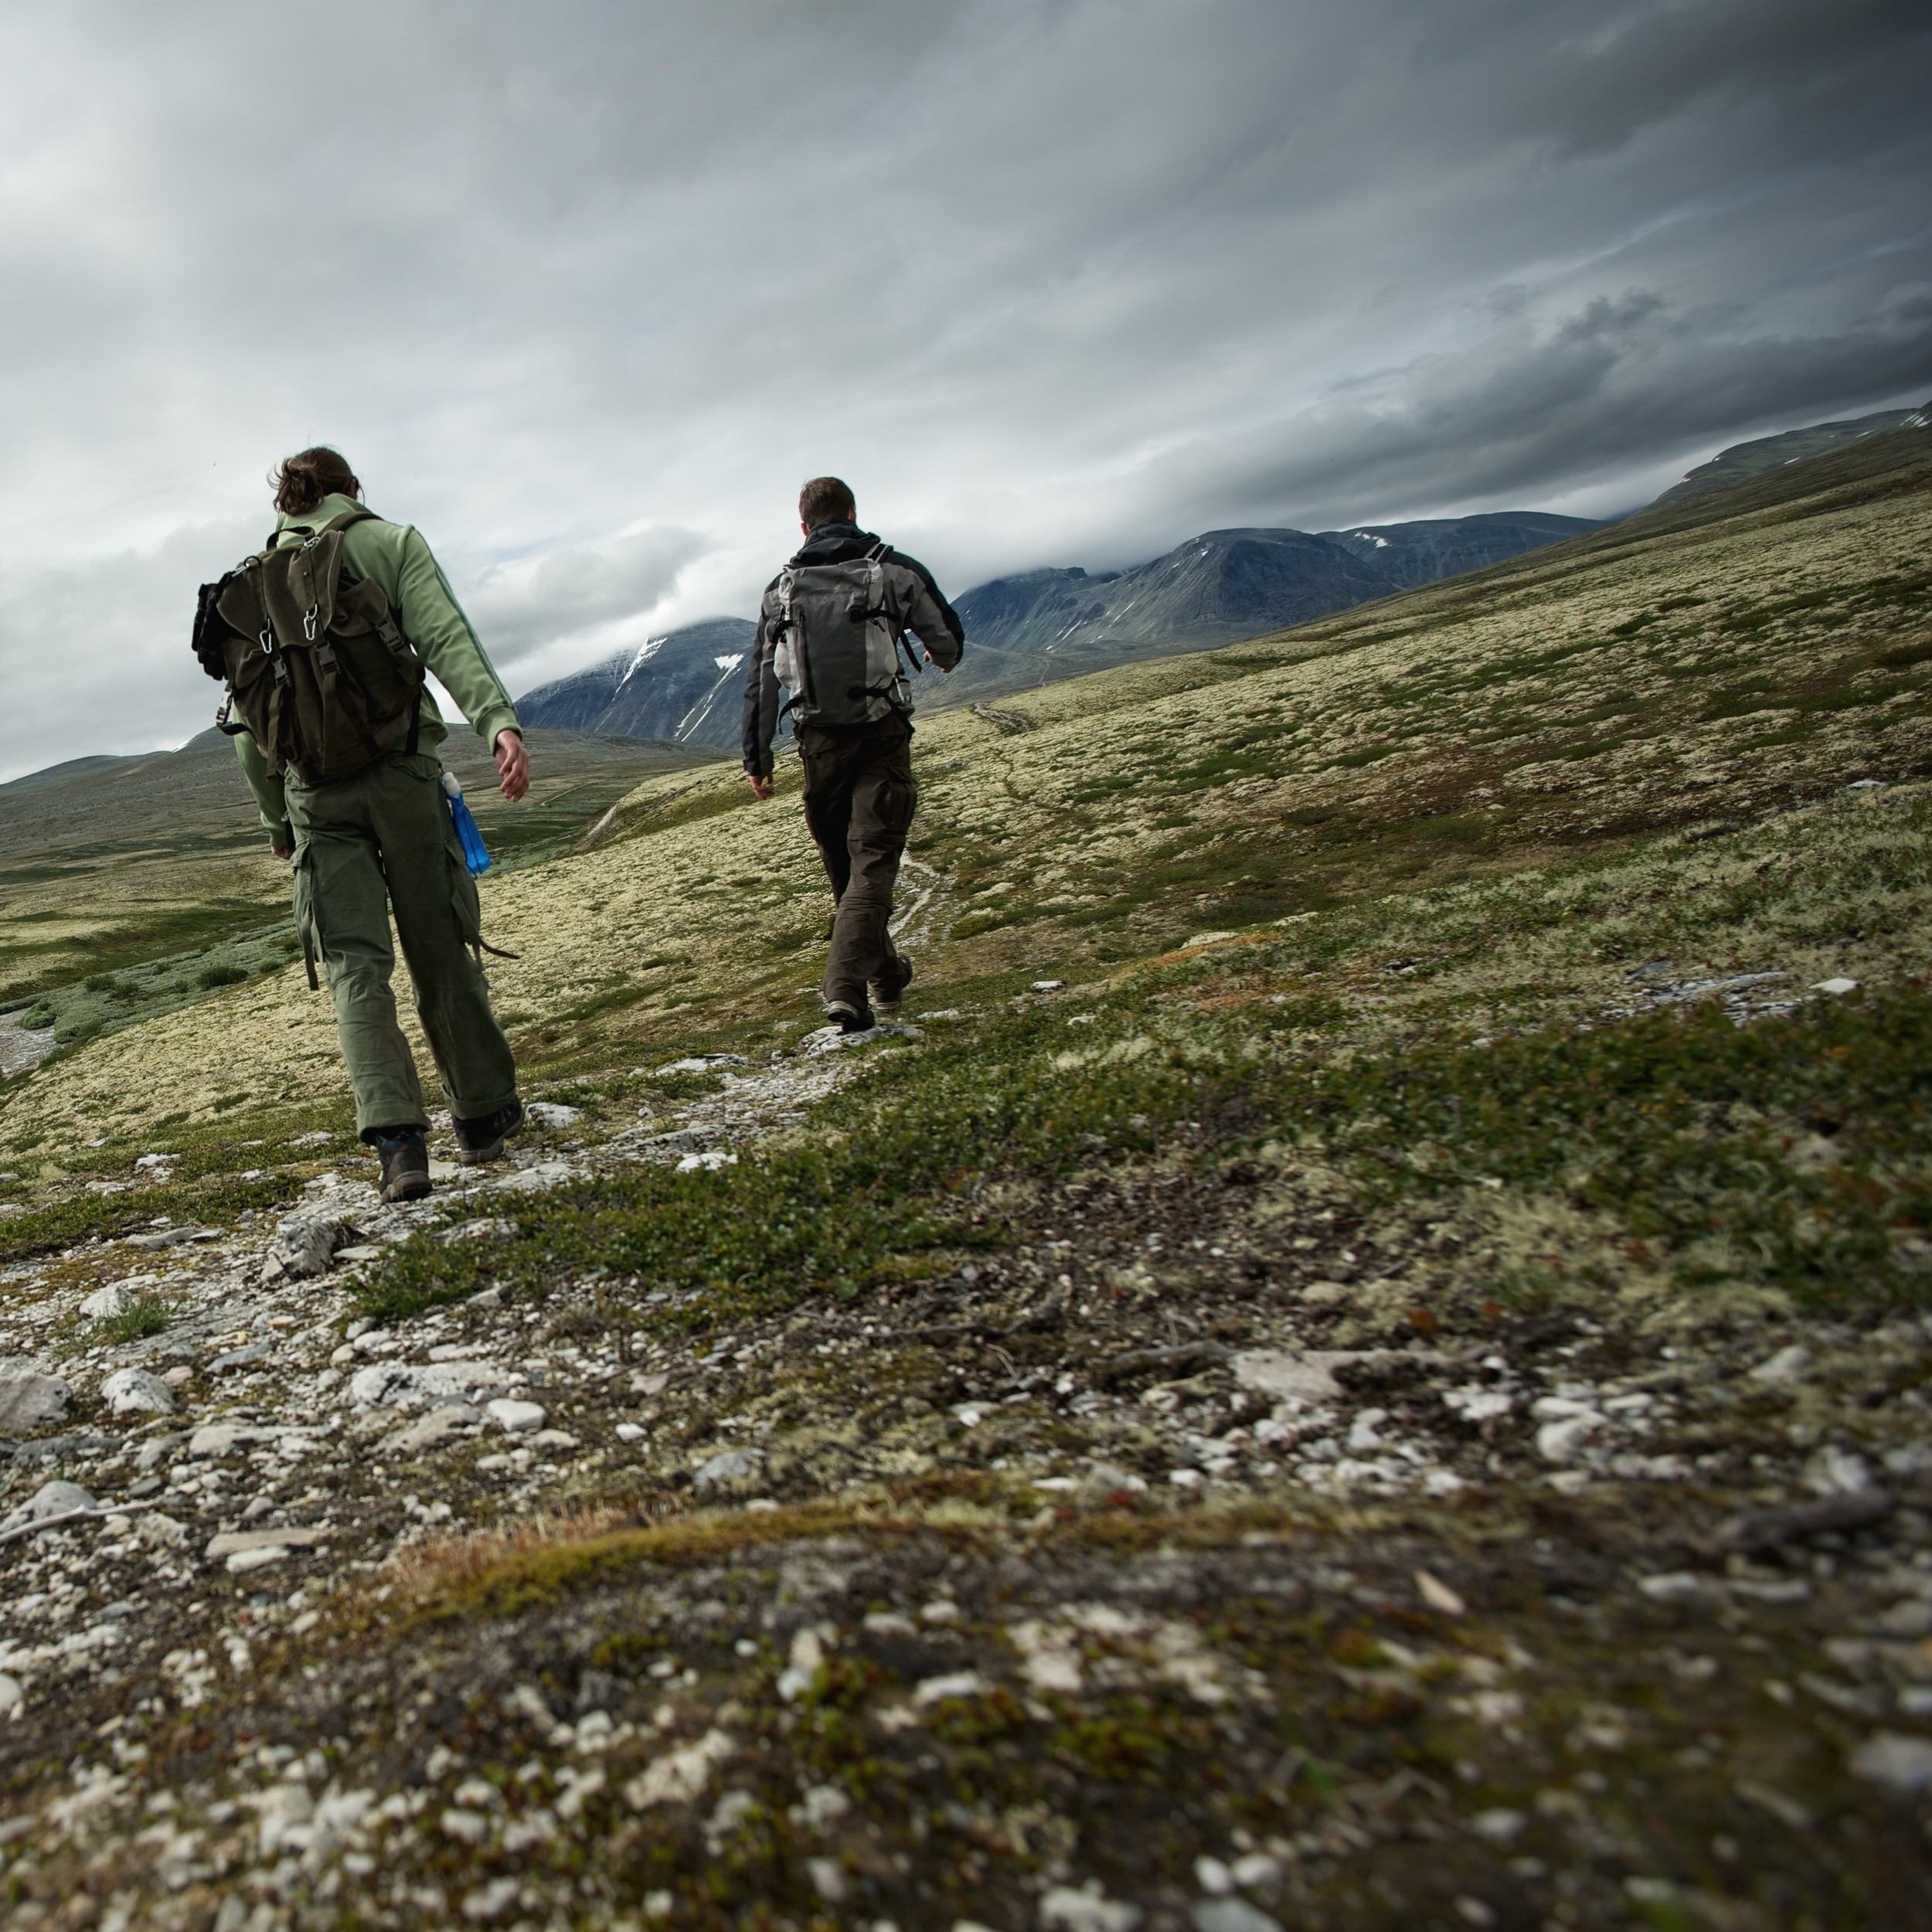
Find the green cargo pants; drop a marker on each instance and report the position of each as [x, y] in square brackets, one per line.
[378, 840]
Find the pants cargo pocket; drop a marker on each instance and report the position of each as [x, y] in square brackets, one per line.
[306, 924]
[898, 800]
[464, 897]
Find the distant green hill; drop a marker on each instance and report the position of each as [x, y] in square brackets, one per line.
[143, 874]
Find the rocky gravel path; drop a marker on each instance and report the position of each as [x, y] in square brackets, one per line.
[994, 1598]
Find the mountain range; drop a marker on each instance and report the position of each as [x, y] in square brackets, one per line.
[1044, 625]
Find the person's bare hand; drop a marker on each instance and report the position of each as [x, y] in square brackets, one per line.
[283, 855]
[761, 783]
[512, 765]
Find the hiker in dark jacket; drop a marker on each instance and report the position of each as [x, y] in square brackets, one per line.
[381, 839]
[830, 630]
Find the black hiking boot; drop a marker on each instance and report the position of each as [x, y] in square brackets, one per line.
[482, 1139]
[890, 989]
[406, 1164]
[849, 1018]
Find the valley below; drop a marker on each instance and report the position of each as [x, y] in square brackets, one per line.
[1360, 1357]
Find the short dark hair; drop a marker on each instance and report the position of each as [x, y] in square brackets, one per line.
[826, 500]
[306, 477]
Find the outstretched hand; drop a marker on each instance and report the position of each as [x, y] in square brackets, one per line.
[512, 765]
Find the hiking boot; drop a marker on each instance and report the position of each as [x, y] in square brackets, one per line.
[849, 1018]
[406, 1164]
[481, 1139]
[890, 989]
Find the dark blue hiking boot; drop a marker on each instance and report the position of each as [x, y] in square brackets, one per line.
[406, 1164]
[481, 1139]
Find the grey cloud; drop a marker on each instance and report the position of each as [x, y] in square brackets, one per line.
[1621, 379]
[538, 603]
[1048, 282]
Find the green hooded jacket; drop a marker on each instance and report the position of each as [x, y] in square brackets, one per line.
[395, 556]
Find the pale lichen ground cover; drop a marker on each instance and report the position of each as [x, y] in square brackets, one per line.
[1566, 704]
[1359, 1417]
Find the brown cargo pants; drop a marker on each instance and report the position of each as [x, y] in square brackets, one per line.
[859, 801]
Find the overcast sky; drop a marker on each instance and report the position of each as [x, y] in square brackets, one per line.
[585, 291]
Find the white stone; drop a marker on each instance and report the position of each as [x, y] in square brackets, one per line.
[734, 1465]
[959, 1683]
[821, 1805]
[1061, 1908]
[50, 1499]
[1309, 1376]
[1892, 1758]
[115, 1298]
[1833, 1472]
[305, 1244]
[136, 1392]
[465, 1827]
[544, 1175]
[283, 1809]
[1835, 986]
[437, 1425]
[1561, 1442]
[219, 1438]
[1476, 1403]
[30, 1400]
[679, 1776]
[1499, 1827]
[1673, 1586]
[1788, 1365]
[12, 1696]
[1213, 1877]
[516, 1418]
[1231, 1915]
[553, 1113]
[401, 1385]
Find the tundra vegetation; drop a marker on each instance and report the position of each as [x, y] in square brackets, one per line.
[1359, 1361]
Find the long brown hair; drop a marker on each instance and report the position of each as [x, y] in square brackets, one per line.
[306, 477]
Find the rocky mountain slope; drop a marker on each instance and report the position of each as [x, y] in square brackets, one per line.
[1743, 460]
[1360, 1360]
[683, 688]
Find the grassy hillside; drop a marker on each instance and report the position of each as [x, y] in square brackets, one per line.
[129, 885]
[1364, 1365]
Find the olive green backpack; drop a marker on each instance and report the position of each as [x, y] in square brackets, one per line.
[316, 664]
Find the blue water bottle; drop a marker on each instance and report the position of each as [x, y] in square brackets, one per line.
[476, 855]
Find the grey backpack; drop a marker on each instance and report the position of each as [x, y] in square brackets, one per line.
[836, 648]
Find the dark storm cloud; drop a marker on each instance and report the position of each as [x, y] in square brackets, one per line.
[586, 291]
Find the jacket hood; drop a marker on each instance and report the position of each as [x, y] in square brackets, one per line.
[334, 505]
[833, 542]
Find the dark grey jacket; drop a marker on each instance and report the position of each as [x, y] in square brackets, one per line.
[928, 617]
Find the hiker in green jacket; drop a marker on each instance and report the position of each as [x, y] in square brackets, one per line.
[380, 840]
